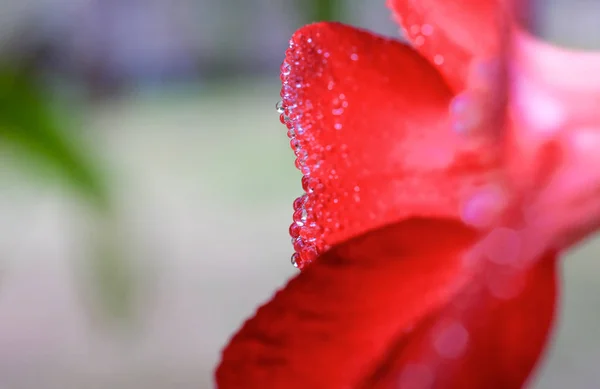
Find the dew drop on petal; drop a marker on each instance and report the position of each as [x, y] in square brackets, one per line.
[294, 260]
[465, 113]
[503, 246]
[485, 71]
[285, 69]
[416, 376]
[298, 244]
[279, 107]
[505, 283]
[542, 111]
[295, 144]
[299, 203]
[356, 195]
[300, 215]
[427, 29]
[291, 109]
[310, 253]
[306, 184]
[481, 209]
[450, 340]
[295, 230]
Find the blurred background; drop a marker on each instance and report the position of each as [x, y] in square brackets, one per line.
[146, 189]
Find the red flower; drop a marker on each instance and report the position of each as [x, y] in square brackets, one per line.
[428, 259]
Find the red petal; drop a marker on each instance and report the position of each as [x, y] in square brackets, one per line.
[451, 33]
[368, 121]
[482, 339]
[553, 142]
[332, 325]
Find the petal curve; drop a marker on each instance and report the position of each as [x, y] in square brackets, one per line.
[482, 339]
[368, 122]
[332, 324]
[451, 33]
[554, 133]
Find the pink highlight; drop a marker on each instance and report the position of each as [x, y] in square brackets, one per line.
[553, 104]
[557, 67]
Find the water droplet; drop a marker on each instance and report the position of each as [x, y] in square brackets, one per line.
[451, 340]
[294, 260]
[416, 376]
[306, 184]
[298, 245]
[438, 59]
[304, 214]
[301, 154]
[294, 144]
[459, 104]
[427, 29]
[295, 230]
[466, 115]
[302, 166]
[299, 203]
[539, 109]
[338, 126]
[356, 195]
[505, 283]
[300, 215]
[286, 90]
[279, 107]
[285, 68]
[310, 254]
[481, 209]
[354, 57]
[420, 40]
[503, 246]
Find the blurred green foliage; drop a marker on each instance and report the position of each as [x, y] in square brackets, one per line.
[113, 281]
[28, 123]
[319, 10]
[31, 127]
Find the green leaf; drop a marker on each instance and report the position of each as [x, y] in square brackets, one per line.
[114, 282]
[322, 10]
[28, 123]
[30, 129]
